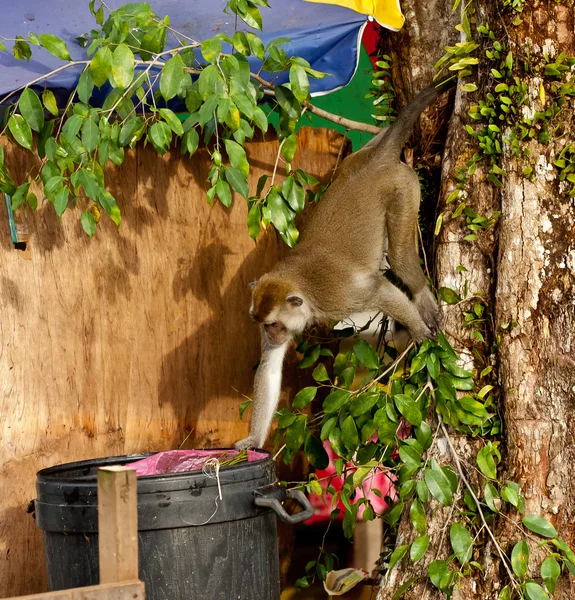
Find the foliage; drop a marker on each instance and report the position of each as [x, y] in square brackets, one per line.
[130, 89]
[383, 415]
[383, 93]
[381, 411]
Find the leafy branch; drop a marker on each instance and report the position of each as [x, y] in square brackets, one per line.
[132, 87]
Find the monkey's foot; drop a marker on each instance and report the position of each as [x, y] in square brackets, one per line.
[249, 442]
[429, 311]
[421, 334]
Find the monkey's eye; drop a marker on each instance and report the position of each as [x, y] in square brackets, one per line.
[270, 324]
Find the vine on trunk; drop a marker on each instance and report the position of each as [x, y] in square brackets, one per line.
[383, 410]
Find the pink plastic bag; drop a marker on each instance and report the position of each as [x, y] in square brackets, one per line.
[182, 461]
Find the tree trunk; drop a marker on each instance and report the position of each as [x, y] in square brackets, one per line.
[522, 270]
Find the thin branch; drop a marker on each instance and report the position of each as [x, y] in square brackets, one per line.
[43, 77]
[476, 500]
[347, 123]
[319, 112]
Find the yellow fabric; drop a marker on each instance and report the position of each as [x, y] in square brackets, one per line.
[386, 12]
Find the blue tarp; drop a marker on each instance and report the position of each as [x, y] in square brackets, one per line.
[327, 36]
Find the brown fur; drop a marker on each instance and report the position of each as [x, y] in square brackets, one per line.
[335, 269]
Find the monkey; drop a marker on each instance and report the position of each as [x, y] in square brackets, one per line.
[334, 270]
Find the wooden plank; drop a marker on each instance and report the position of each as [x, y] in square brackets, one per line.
[131, 340]
[128, 590]
[117, 524]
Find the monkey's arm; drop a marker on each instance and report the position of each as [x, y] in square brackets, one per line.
[267, 387]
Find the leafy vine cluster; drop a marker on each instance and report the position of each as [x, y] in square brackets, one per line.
[381, 411]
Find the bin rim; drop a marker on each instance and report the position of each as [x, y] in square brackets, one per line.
[57, 473]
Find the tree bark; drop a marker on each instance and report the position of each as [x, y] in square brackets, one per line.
[523, 269]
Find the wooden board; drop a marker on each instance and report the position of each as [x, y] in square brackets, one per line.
[129, 341]
[111, 591]
[117, 524]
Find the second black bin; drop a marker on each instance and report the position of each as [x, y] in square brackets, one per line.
[189, 547]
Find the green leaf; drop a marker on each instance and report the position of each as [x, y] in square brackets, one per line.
[238, 182]
[533, 591]
[172, 120]
[316, 453]
[224, 193]
[211, 48]
[85, 86]
[299, 82]
[540, 526]
[520, 559]
[128, 131]
[486, 462]
[122, 66]
[288, 101]
[327, 427]
[461, 542]
[304, 397]
[510, 495]
[294, 193]
[439, 573]
[50, 102]
[438, 485]
[256, 45]
[366, 354]
[550, 571]
[61, 201]
[408, 408]
[448, 295]
[190, 142]
[160, 135]
[490, 494]
[335, 400]
[101, 66]
[90, 134]
[505, 593]
[172, 77]
[295, 434]
[88, 222]
[417, 517]
[20, 130]
[243, 408]
[31, 109]
[254, 220]
[21, 49]
[363, 404]
[320, 373]
[284, 418]
[397, 555]
[349, 434]
[237, 156]
[252, 17]
[54, 45]
[432, 364]
[419, 548]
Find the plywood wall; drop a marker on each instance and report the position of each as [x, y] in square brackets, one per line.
[128, 341]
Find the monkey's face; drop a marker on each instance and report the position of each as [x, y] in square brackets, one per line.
[278, 308]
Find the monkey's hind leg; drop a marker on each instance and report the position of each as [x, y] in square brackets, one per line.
[401, 224]
[393, 302]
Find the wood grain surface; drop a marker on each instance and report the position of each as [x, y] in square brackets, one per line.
[129, 341]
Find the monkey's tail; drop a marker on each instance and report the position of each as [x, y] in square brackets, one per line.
[396, 136]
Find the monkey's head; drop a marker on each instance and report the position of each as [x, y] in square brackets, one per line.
[279, 307]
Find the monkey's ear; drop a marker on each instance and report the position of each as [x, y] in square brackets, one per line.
[294, 300]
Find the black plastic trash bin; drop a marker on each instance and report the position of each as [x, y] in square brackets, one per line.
[189, 546]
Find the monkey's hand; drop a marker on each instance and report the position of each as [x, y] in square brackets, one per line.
[249, 442]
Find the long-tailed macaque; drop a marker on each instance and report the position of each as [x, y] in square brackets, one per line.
[335, 269]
